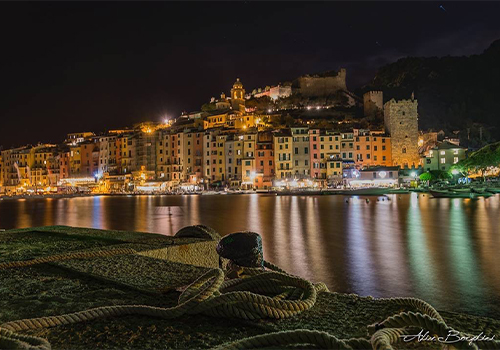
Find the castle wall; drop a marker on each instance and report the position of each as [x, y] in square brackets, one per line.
[373, 102]
[322, 86]
[401, 122]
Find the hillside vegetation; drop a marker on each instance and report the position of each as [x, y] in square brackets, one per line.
[454, 93]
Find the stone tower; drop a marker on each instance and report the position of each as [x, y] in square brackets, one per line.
[401, 122]
[237, 95]
[373, 103]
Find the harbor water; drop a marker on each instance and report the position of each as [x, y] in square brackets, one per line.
[446, 251]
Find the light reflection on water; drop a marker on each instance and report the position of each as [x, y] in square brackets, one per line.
[445, 251]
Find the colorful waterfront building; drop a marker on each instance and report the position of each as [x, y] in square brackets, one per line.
[301, 154]
[214, 157]
[314, 146]
[264, 161]
[45, 170]
[372, 148]
[163, 156]
[192, 156]
[64, 163]
[443, 156]
[347, 149]
[233, 149]
[283, 160]
[89, 153]
[248, 166]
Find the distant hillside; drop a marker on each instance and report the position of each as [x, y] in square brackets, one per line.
[454, 93]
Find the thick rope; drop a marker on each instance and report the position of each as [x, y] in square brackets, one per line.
[208, 295]
[243, 298]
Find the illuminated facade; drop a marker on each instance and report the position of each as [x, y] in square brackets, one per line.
[301, 154]
[372, 148]
[443, 156]
[283, 161]
[264, 161]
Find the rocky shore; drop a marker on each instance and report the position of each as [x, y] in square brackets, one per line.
[154, 276]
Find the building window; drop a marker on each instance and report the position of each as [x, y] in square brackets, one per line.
[455, 160]
[443, 160]
[442, 153]
[403, 150]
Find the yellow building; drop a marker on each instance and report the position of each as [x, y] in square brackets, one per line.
[214, 157]
[45, 169]
[215, 121]
[75, 161]
[330, 147]
[334, 168]
[163, 156]
[248, 167]
[283, 154]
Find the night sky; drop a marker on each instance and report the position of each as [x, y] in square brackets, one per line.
[68, 67]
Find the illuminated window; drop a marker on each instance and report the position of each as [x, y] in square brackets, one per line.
[442, 153]
[455, 160]
[443, 160]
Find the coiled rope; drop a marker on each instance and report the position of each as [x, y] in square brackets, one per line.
[244, 298]
[209, 295]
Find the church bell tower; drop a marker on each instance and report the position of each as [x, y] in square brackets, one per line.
[237, 95]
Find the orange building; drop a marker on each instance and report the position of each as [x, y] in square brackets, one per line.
[264, 161]
[89, 152]
[372, 148]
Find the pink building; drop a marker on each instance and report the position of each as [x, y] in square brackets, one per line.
[314, 146]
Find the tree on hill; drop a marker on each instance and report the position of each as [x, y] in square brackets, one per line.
[452, 92]
[261, 104]
[481, 160]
